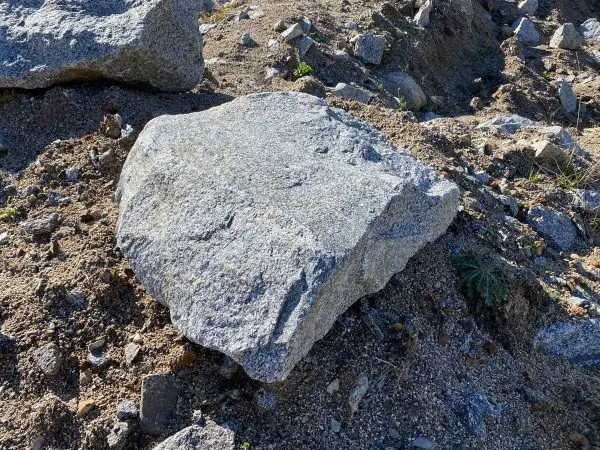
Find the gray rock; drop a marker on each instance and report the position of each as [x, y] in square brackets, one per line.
[246, 39]
[292, 32]
[478, 408]
[158, 403]
[351, 92]
[266, 399]
[7, 343]
[4, 238]
[209, 437]
[587, 200]
[402, 85]
[423, 442]
[422, 16]
[335, 425]
[117, 437]
[528, 7]
[548, 152]
[525, 32]
[131, 352]
[308, 211]
[577, 340]
[369, 48]
[567, 37]
[97, 358]
[554, 226]
[127, 410]
[305, 24]
[511, 203]
[48, 359]
[154, 42]
[590, 30]
[206, 27]
[44, 225]
[510, 123]
[359, 391]
[304, 45]
[567, 97]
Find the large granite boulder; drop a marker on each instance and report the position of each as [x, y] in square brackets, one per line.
[151, 42]
[260, 221]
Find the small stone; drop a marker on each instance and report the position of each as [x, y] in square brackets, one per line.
[393, 433]
[369, 48]
[44, 225]
[357, 394]
[589, 201]
[566, 37]
[568, 99]
[304, 45]
[273, 45]
[84, 406]
[254, 12]
[117, 437]
[525, 32]
[97, 359]
[511, 203]
[246, 40]
[350, 92]
[305, 25]
[48, 359]
[72, 175]
[209, 437]
[131, 352]
[7, 343]
[528, 7]
[351, 25]
[197, 417]
[335, 426]
[483, 177]
[423, 442]
[96, 344]
[549, 152]
[422, 16]
[158, 403]
[127, 410]
[553, 225]
[490, 348]
[334, 386]
[477, 103]
[4, 238]
[309, 85]
[478, 408]
[206, 27]
[590, 30]
[266, 399]
[403, 86]
[108, 157]
[280, 26]
[292, 32]
[111, 126]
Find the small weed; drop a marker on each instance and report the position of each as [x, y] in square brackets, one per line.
[9, 213]
[569, 175]
[547, 75]
[482, 279]
[303, 70]
[534, 176]
[402, 105]
[218, 15]
[246, 446]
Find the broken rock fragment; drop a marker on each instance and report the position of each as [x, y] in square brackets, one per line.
[260, 221]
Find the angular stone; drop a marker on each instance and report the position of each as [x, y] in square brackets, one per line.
[350, 92]
[369, 48]
[567, 37]
[567, 97]
[587, 200]
[44, 225]
[153, 42]
[553, 225]
[422, 16]
[48, 359]
[292, 32]
[260, 221]
[547, 151]
[402, 85]
[576, 340]
[209, 437]
[528, 7]
[526, 32]
[158, 403]
[590, 30]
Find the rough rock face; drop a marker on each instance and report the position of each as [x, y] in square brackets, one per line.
[566, 37]
[209, 437]
[152, 42]
[577, 340]
[260, 221]
[554, 225]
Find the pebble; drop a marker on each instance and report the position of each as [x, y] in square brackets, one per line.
[131, 352]
[4, 238]
[351, 25]
[357, 394]
[335, 426]
[72, 174]
[423, 442]
[304, 45]
[246, 40]
[97, 359]
[334, 386]
[84, 406]
[273, 45]
[127, 410]
[96, 344]
[567, 97]
[305, 24]
[44, 225]
[48, 359]
[117, 437]
[279, 26]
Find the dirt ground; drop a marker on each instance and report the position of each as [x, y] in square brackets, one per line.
[426, 348]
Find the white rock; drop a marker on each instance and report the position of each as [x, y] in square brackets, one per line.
[422, 16]
[566, 37]
[209, 437]
[292, 32]
[526, 32]
[258, 222]
[369, 48]
[590, 30]
[567, 97]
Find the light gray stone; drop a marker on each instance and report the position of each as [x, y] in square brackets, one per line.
[576, 340]
[422, 16]
[402, 85]
[587, 200]
[195, 437]
[548, 152]
[553, 225]
[526, 32]
[158, 403]
[246, 39]
[260, 221]
[153, 42]
[358, 392]
[351, 92]
[478, 408]
[423, 442]
[292, 32]
[304, 45]
[590, 30]
[117, 437]
[48, 359]
[528, 7]
[369, 48]
[567, 97]
[567, 37]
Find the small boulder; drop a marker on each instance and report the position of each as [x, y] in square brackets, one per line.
[548, 152]
[117, 437]
[567, 37]
[292, 32]
[553, 225]
[525, 32]
[48, 359]
[44, 225]
[369, 48]
[589, 201]
[351, 92]
[567, 97]
[401, 85]
[528, 7]
[209, 437]
[127, 411]
[590, 30]
[158, 403]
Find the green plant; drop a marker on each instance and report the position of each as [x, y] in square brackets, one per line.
[534, 176]
[303, 70]
[218, 15]
[547, 75]
[246, 446]
[401, 104]
[482, 279]
[9, 213]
